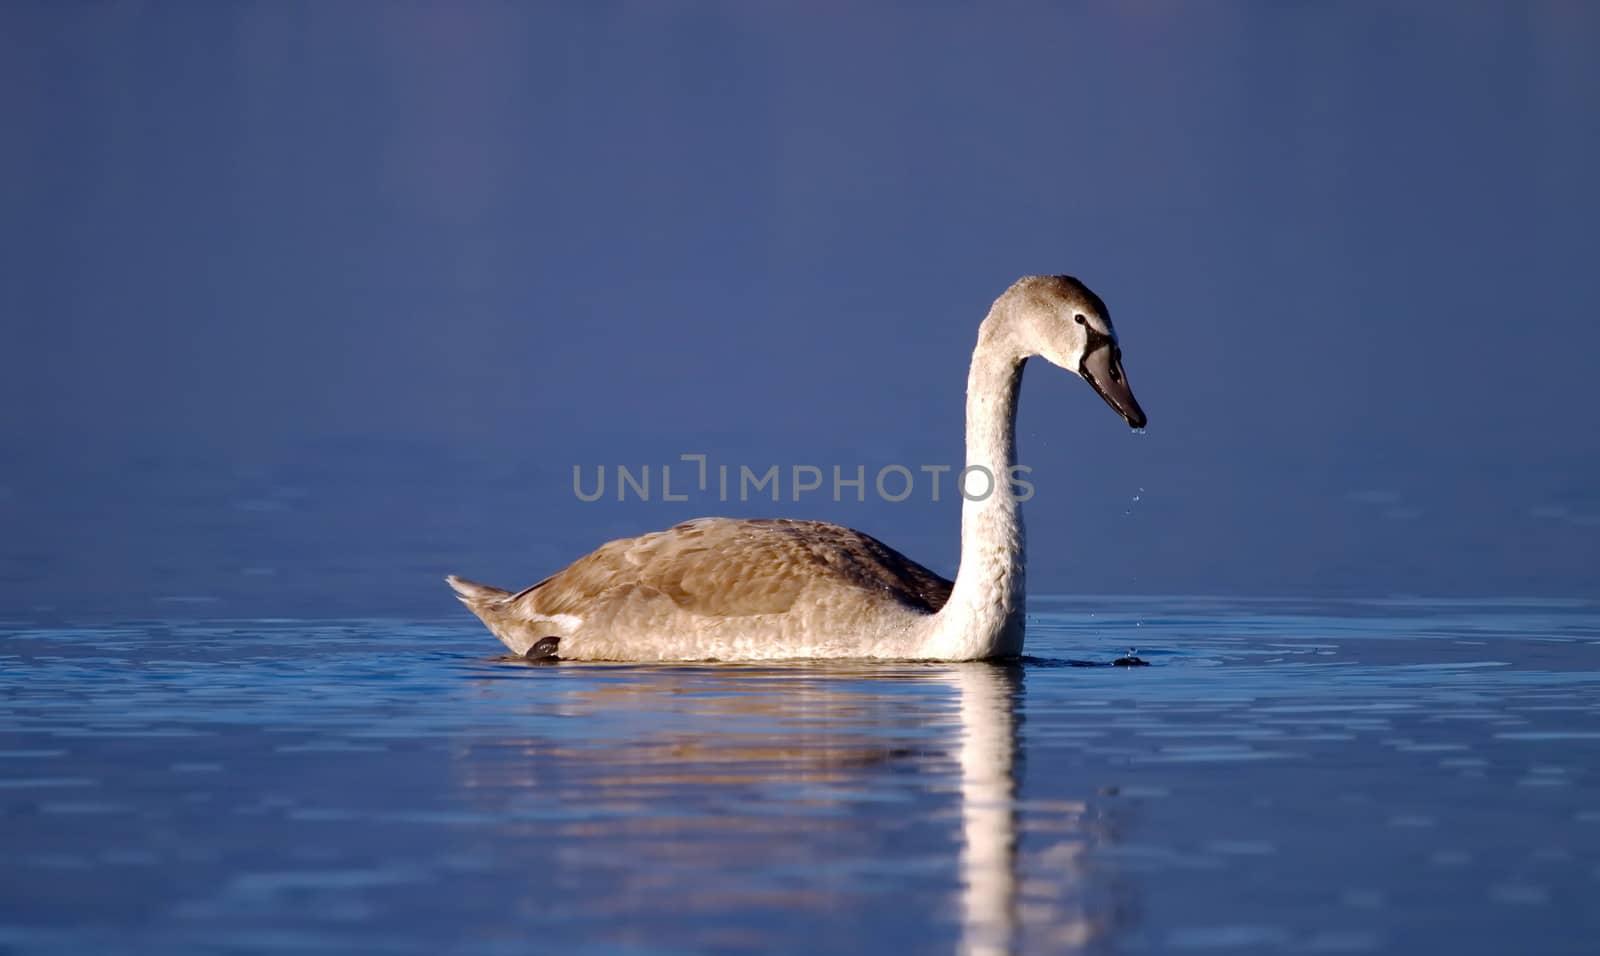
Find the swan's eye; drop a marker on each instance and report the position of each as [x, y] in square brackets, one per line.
[1079, 319]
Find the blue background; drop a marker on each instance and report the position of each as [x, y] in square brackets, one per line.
[307, 304]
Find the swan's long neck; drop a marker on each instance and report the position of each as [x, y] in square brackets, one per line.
[984, 615]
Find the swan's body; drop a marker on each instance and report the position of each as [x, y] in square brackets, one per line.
[733, 589]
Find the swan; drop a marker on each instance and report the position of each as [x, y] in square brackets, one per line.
[736, 589]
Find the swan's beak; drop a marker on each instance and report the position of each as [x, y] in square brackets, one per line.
[1102, 368]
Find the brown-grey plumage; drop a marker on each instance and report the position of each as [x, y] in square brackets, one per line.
[727, 567]
[711, 569]
[744, 589]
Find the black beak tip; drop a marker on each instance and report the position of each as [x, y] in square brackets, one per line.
[1136, 418]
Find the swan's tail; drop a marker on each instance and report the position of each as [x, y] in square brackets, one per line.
[498, 611]
[477, 596]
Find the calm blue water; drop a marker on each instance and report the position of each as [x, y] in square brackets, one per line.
[1285, 777]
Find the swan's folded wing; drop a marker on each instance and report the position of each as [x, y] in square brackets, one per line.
[726, 567]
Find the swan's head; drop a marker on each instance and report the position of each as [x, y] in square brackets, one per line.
[1061, 321]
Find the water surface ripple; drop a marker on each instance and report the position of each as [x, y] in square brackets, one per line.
[1286, 777]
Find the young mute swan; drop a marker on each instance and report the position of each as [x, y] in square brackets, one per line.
[737, 589]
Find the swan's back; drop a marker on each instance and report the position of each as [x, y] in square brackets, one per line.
[731, 567]
[786, 588]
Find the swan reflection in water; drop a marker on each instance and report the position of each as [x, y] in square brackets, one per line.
[728, 802]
